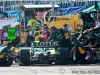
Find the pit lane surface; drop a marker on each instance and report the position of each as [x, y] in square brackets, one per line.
[44, 69]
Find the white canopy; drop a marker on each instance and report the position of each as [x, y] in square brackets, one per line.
[39, 6]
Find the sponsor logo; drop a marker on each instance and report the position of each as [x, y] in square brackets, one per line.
[57, 19]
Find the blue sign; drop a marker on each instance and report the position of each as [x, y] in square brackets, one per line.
[15, 14]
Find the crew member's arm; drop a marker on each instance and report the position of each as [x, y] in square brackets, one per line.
[49, 39]
[73, 49]
[95, 44]
[11, 53]
[69, 34]
[97, 17]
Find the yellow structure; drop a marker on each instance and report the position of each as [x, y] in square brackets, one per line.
[73, 21]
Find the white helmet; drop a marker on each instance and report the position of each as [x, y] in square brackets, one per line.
[17, 23]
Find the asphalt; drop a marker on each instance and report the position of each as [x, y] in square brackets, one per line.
[15, 69]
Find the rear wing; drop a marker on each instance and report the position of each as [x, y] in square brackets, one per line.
[45, 44]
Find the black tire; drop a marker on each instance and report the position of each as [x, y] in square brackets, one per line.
[24, 58]
[4, 63]
[64, 56]
[11, 61]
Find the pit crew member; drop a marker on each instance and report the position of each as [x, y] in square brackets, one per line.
[59, 35]
[79, 51]
[5, 54]
[93, 40]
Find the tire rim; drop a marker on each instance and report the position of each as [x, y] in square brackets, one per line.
[88, 55]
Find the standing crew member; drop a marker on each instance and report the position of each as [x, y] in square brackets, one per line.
[67, 31]
[59, 35]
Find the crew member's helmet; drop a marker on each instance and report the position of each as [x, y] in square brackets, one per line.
[92, 33]
[74, 39]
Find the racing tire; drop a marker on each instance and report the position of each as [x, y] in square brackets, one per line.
[89, 56]
[11, 61]
[64, 56]
[4, 63]
[24, 58]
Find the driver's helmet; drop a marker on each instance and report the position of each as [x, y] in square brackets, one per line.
[92, 33]
[74, 39]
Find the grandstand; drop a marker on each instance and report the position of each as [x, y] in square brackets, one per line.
[11, 5]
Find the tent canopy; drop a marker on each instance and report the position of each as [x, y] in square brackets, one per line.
[91, 9]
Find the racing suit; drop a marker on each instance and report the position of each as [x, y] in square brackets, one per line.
[93, 42]
[62, 36]
[80, 53]
[4, 61]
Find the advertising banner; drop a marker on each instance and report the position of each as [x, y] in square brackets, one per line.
[6, 21]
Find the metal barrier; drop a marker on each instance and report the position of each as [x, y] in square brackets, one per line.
[11, 5]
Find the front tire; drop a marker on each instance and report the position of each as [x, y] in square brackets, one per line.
[24, 58]
[64, 56]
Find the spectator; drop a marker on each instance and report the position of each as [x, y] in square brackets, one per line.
[4, 35]
[46, 32]
[87, 20]
[22, 22]
[31, 31]
[82, 16]
[17, 26]
[0, 34]
[97, 22]
[32, 22]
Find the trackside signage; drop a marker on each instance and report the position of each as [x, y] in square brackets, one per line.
[62, 19]
[45, 44]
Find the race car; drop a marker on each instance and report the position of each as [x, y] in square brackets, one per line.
[43, 53]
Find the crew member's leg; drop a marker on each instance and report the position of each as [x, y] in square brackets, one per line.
[68, 44]
[82, 58]
[77, 59]
[4, 62]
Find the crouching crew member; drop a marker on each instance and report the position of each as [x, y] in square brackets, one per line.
[79, 51]
[5, 55]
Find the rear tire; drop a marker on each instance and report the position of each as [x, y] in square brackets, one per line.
[64, 56]
[24, 58]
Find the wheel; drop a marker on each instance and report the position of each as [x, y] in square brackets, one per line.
[4, 62]
[89, 56]
[24, 58]
[11, 61]
[64, 56]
